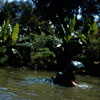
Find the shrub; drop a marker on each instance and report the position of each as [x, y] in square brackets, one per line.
[49, 41]
[93, 51]
[3, 55]
[44, 50]
[42, 59]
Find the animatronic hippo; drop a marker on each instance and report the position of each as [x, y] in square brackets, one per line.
[67, 78]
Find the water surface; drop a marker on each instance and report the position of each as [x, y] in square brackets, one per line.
[20, 84]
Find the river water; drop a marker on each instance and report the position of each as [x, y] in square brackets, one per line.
[20, 84]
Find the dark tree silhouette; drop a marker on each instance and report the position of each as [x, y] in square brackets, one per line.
[51, 8]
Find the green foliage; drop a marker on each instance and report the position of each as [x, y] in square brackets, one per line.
[28, 19]
[40, 53]
[68, 8]
[82, 37]
[9, 10]
[3, 55]
[15, 33]
[69, 32]
[42, 58]
[3, 59]
[9, 34]
[44, 48]
[43, 40]
[51, 28]
[72, 25]
[26, 38]
[93, 29]
[89, 30]
[3, 50]
[5, 30]
[93, 51]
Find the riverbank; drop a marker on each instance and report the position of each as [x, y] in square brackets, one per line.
[46, 44]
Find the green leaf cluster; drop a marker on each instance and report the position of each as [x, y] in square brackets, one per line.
[15, 32]
[72, 24]
[42, 58]
[8, 33]
[93, 31]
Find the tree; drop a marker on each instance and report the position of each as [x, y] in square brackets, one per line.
[50, 8]
[28, 19]
[10, 11]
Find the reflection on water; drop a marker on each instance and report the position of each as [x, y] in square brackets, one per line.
[84, 86]
[29, 85]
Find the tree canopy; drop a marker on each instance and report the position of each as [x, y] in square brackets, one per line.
[51, 8]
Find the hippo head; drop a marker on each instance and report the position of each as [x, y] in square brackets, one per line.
[65, 77]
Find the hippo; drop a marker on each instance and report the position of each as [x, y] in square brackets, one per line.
[67, 77]
[64, 78]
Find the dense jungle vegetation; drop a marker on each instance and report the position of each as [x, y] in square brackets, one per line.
[47, 34]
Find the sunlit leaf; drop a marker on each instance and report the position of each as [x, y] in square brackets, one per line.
[5, 29]
[69, 37]
[72, 25]
[93, 29]
[15, 33]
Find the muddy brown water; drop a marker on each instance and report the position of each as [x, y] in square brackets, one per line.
[20, 84]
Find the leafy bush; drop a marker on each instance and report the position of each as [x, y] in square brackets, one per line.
[8, 37]
[49, 41]
[44, 50]
[9, 34]
[3, 55]
[37, 52]
[93, 51]
[43, 59]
